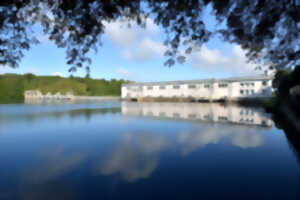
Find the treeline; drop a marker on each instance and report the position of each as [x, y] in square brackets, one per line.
[12, 86]
[284, 83]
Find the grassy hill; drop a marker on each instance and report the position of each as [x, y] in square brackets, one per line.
[12, 86]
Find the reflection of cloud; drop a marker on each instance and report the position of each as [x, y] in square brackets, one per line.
[44, 179]
[137, 155]
[191, 141]
[46, 191]
[247, 140]
[135, 158]
[239, 137]
[58, 163]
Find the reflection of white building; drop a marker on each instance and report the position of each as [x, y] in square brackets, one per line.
[210, 112]
[207, 89]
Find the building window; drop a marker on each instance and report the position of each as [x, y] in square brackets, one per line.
[176, 115]
[191, 86]
[207, 117]
[206, 86]
[247, 91]
[162, 114]
[150, 113]
[242, 91]
[149, 87]
[252, 91]
[223, 85]
[176, 86]
[162, 87]
[252, 84]
[242, 84]
[192, 116]
[265, 83]
[222, 118]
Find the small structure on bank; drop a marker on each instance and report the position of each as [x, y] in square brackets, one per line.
[36, 94]
[231, 89]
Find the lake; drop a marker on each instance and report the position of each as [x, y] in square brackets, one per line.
[127, 150]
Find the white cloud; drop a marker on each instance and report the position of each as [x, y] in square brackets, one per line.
[57, 74]
[149, 49]
[32, 70]
[120, 33]
[19, 70]
[123, 35]
[127, 54]
[5, 69]
[123, 72]
[136, 43]
[212, 60]
[210, 57]
[145, 44]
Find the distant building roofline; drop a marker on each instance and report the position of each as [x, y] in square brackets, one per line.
[212, 80]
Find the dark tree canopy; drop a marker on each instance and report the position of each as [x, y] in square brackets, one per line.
[269, 30]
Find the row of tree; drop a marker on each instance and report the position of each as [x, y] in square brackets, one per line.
[12, 86]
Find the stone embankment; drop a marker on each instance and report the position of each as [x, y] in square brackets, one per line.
[37, 95]
[97, 98]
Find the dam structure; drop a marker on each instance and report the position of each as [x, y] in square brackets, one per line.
[226, 89]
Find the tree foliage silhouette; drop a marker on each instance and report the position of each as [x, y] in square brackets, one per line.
[268, 30]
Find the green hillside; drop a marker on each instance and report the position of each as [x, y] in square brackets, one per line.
[12, 86]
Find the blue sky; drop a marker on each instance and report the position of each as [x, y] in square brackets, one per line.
[137, 54]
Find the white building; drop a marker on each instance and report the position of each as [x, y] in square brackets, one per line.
[206, 89]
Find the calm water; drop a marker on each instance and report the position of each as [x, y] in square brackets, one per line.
[119, 150]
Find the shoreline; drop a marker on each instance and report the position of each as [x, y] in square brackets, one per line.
[240, 101]
[70, 99]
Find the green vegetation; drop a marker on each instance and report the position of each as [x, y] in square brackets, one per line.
[12, 86]
[283, 82]
[269, 104]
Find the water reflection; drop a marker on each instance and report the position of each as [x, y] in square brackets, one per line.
[52, 165]
[43, 179]
[35, 116]
[135, 156]
[291, 133]
[241, 138]
[156, 145]
[206, 112]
